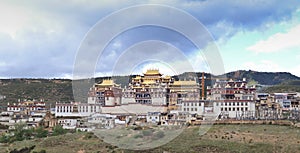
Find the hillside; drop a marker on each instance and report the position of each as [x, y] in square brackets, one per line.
[263, 78]
[289, 86]
[51, 91]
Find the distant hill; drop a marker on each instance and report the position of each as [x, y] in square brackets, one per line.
[263, 78]
[60, 90]
[289, 86]
[51, 90]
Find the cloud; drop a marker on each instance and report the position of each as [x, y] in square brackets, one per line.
[278, 42]
[40, 39]
[12, 18]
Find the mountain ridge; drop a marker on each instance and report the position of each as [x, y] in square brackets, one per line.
[61, 90]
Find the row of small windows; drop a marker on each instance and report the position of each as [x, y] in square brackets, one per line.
[234, 109]
[191, 104]
[188, 109]
[236, 98]
[232, 104]
[23, 108]
[80, 109]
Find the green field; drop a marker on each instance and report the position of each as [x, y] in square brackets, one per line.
[220, 138]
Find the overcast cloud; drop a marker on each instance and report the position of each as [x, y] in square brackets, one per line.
[40, 39]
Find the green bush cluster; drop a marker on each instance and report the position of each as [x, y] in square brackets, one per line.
[20, 133]
[58, 130]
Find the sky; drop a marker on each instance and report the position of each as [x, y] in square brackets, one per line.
[44, 39]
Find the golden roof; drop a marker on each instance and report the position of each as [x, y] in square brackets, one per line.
[149, 82]
[182, 83]
[152, 71]
[167, 77]
[106, 83]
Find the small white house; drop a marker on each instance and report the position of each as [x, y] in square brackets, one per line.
[153, 117]
[68, 123]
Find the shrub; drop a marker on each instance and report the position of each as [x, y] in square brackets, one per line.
[40, 132]
[4, 138]
[58, 130]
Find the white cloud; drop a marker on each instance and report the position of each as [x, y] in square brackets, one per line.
[12, 18]
[278, 42]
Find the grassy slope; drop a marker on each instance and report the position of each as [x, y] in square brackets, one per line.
[220, 138]
[289, 86]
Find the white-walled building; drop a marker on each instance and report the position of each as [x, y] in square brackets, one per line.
[232, 99]
[193, 107]
[26, 106]
[76, 109]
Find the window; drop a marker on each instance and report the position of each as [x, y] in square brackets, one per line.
[221, 108]
[246, 109]
[233, 109]
[229, 108]
[195, 109]
[225, 108]
[192, 109]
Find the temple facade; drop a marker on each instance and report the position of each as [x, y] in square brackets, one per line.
[151, 88]
[106, 93]
[232, 99]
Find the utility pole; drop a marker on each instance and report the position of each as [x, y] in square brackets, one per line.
[203, 86]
